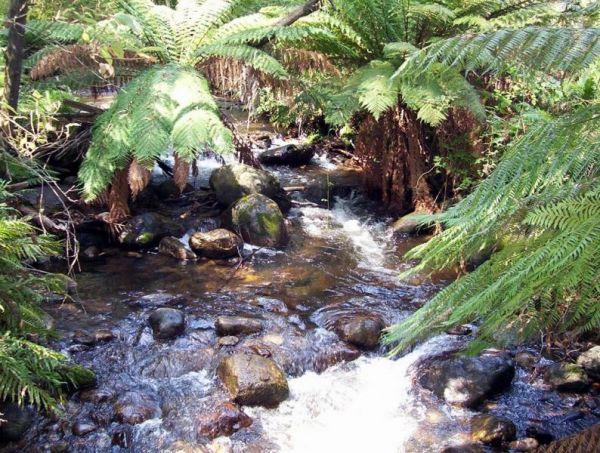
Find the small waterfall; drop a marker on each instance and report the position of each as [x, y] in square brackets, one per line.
[366, 405]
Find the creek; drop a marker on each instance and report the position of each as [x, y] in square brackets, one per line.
[343, 260]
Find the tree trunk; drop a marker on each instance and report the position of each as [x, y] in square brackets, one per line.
[17, 17]
[397, 161]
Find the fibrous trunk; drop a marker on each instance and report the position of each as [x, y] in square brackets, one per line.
[397, 160]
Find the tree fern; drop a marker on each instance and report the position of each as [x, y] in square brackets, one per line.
[539, 211]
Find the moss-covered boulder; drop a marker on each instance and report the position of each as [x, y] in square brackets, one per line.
[259, 221]
[234, 181]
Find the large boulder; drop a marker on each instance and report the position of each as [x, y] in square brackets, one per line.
[259, 221]
[146, 230]
[291, 155]
[226, 419]
[15, 421]
[253, 380]
[171, 246]
[566, 377]
[234, 181]
[217, 244]
[409, 225]
[361, 331]
[167, 323]
[468, 381]
[235, 325]
[590, 362]
[492, 430]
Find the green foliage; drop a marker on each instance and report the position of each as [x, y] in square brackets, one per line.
[165, 107]
[29, 372]
[538, 212]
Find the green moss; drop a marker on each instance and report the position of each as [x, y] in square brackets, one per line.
[270, 223]
[145, 238]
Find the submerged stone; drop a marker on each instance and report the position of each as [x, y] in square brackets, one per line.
[259, 221]
[15, 422]
[253, 380]
[492, 430]
[136, 407]
[235, 325]
[216, 244]
[226, 419]
[167, 323]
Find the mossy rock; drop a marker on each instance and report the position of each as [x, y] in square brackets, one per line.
[146, 230]
[234, 181]
[259, 221]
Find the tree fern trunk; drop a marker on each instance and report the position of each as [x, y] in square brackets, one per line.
[397, 160]
[118, 197]
[17, 16]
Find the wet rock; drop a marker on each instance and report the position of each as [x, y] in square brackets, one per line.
[96, 396]
[291, 155]
[145, 230]
[228, 341]
[232, 182]
[259, 221]
[410, 226]
[171, 246]
[167, 323]
[566, 377]
[460, 330]
[338, 353]
[103, 335]
[539, 434]
[468, 381]
[83, 378]
[463, 448]
[168, 189]
[492, 430]
[525, 444]
[136, 407]
[181, 446]
[590, 362]
[85, 338]
[90, 253]
[16, 421]
[526, 359]
[253, 380]
[59, 447]
[216, 244]
[226, 419]
[81, 428]
[236, 325]
[361, 331]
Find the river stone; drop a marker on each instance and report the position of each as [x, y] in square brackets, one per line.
[526, 359]
[492, 430]
[361, 331]
[590, 362]
[167, 323]
[16, 421]
[236, 325]
[226, 419]
[410, 226]
[136, 407]
[291, 155]
[463, 448]
[234, 181]
[525, 444]
[259, 221]
[253, 380]
[171, 246]
[216, 244]
[468, 381]
[81, 428]
[566, 377]
[228, 341]
[145, 230]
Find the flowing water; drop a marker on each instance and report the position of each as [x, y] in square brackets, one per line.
[342, 261]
